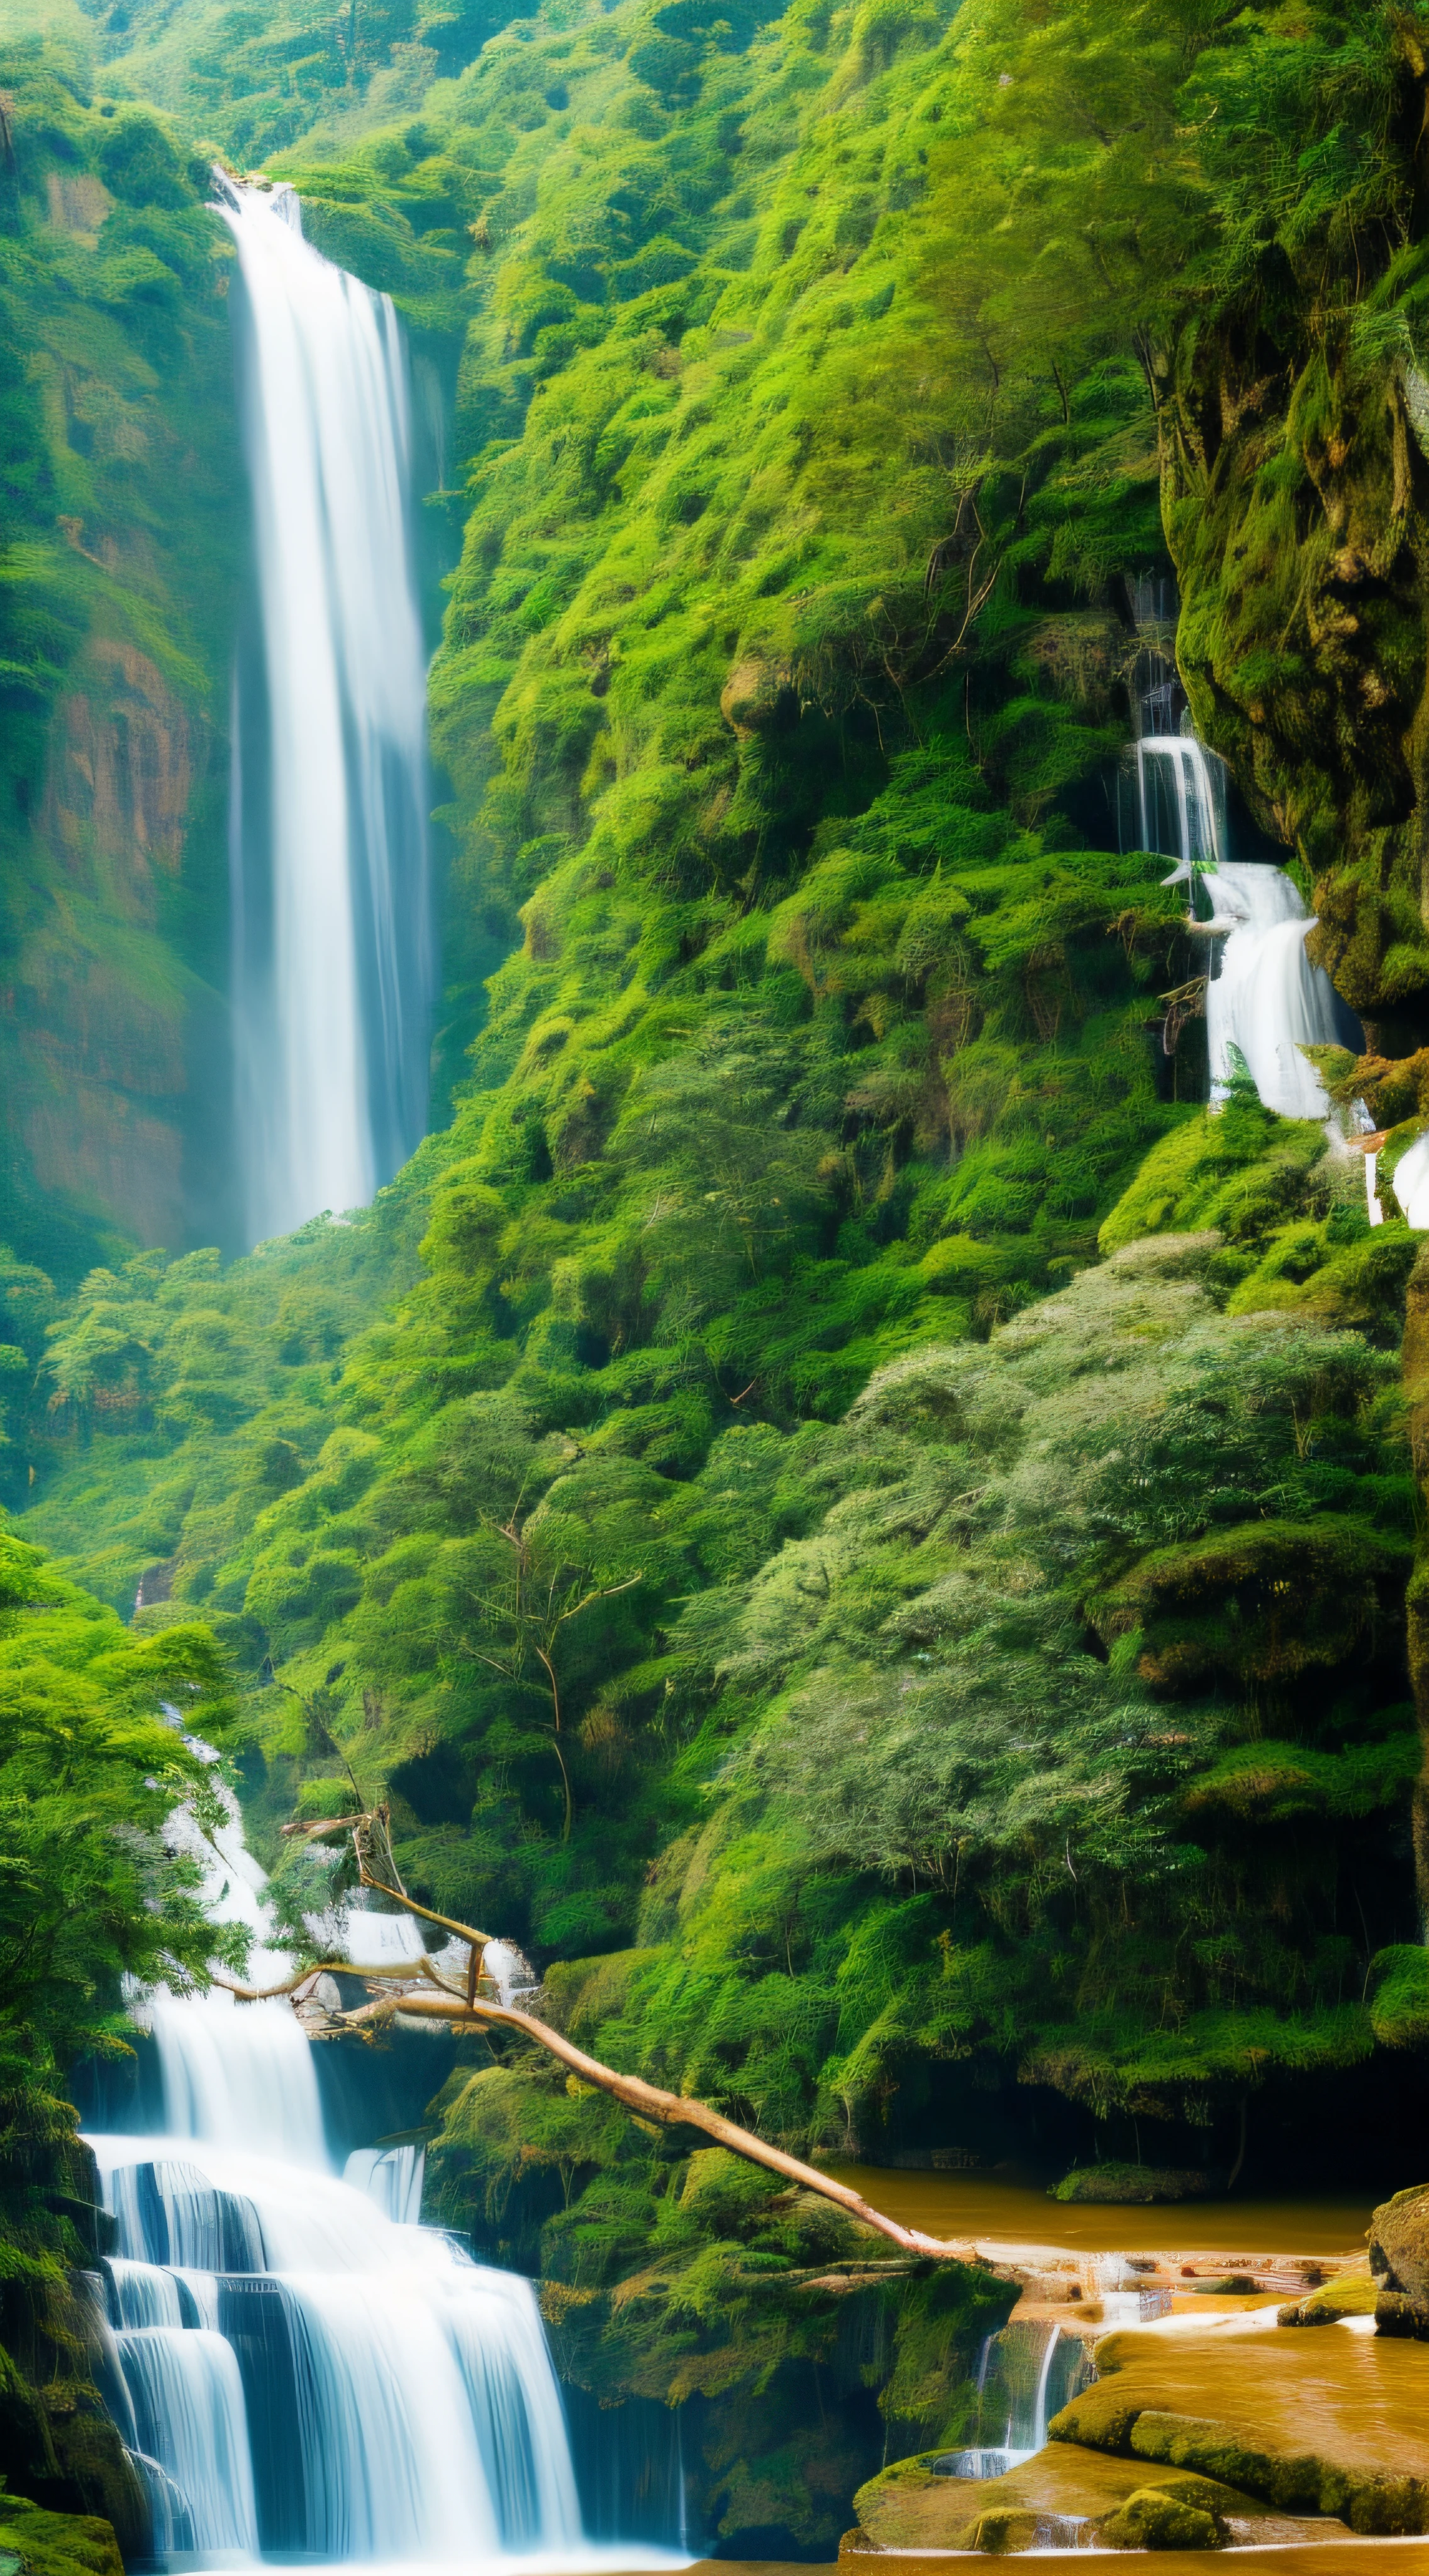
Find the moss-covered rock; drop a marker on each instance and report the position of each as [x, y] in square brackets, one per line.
[1153, 2519]
[1353, 2294]
[1135, 2186]
[1370, 2464]
[57, 2544]
[1399, 2242]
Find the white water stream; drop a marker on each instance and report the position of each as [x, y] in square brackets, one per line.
[1267, 999]
[332, 963]
[1264, 999]
[302, 2370]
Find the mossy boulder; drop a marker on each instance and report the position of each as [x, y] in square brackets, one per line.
[1395, 2313]
[1152, 2519]
[1399, 2243]
[1353, 2295]
[1135, 2185]
[56, 2544]
[1004, 2533]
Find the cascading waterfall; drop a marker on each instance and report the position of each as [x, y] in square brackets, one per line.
[1264, 999]
[332, 951]
[300, 2368]
[1267, 1000]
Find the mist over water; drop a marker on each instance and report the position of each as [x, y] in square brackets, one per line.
[332, 962]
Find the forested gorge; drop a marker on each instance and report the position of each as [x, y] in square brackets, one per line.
[837, 1501]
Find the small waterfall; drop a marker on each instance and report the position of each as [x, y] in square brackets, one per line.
[301, 2367]
[1181, 794]
[1264, 1000]
[1410, 1183]
[1026, 2375]
[1267, 1000]
[332, 964]
[393, 2177]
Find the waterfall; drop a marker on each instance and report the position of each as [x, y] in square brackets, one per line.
[1026, 2374]
[301, 2367]
[1264, 999]
[1267, 999]
[331, 964]
[1181, 793]
[188, 2409]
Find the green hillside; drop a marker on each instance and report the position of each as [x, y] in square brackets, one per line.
[840, 1504]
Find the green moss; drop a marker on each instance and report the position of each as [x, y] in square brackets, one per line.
[1131, 2185]
[1154, 2519]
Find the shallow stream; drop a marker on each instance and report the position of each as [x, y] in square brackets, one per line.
[1019, 2212]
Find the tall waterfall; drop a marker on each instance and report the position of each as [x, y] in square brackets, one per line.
[300, 2370]
[332, 949]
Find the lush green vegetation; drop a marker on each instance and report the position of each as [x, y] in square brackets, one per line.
[837, 1503]
[792, 2351]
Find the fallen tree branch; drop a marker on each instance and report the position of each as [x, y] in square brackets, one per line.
[405, 1969]
[645, 2101]
[667, 2110]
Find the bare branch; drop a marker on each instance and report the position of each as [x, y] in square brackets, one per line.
[646, 2101]
[402, 1968]
[667, 2110]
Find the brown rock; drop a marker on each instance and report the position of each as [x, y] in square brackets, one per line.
[1399, 2233]
[754, 695]
[1397, 2314]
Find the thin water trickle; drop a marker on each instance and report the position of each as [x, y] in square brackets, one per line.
[332, 953]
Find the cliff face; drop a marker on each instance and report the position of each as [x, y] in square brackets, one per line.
[1294, 437]
[122, 512]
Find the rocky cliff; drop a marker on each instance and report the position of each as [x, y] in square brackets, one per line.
[122, 520]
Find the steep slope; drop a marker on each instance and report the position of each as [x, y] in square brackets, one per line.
[835, 1501]
[814, 499]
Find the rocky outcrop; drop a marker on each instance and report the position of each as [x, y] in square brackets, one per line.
[98, 1093]
[1260, 2396]
[1294, 438]
[1399, 2262]
[124, 524]
[1134, 2186]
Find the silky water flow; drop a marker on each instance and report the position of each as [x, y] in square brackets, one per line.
[332, 961]
[1264, 999]
[301, 2369]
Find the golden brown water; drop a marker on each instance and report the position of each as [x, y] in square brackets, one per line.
[1361, 2400]
[993, 2205]
[1315, 2558]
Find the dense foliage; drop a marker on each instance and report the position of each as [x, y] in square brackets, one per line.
[792, 2347]
[813, 517]
[838, 1504]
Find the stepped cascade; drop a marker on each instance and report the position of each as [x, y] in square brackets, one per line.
[330, 897]
[298, 2368]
